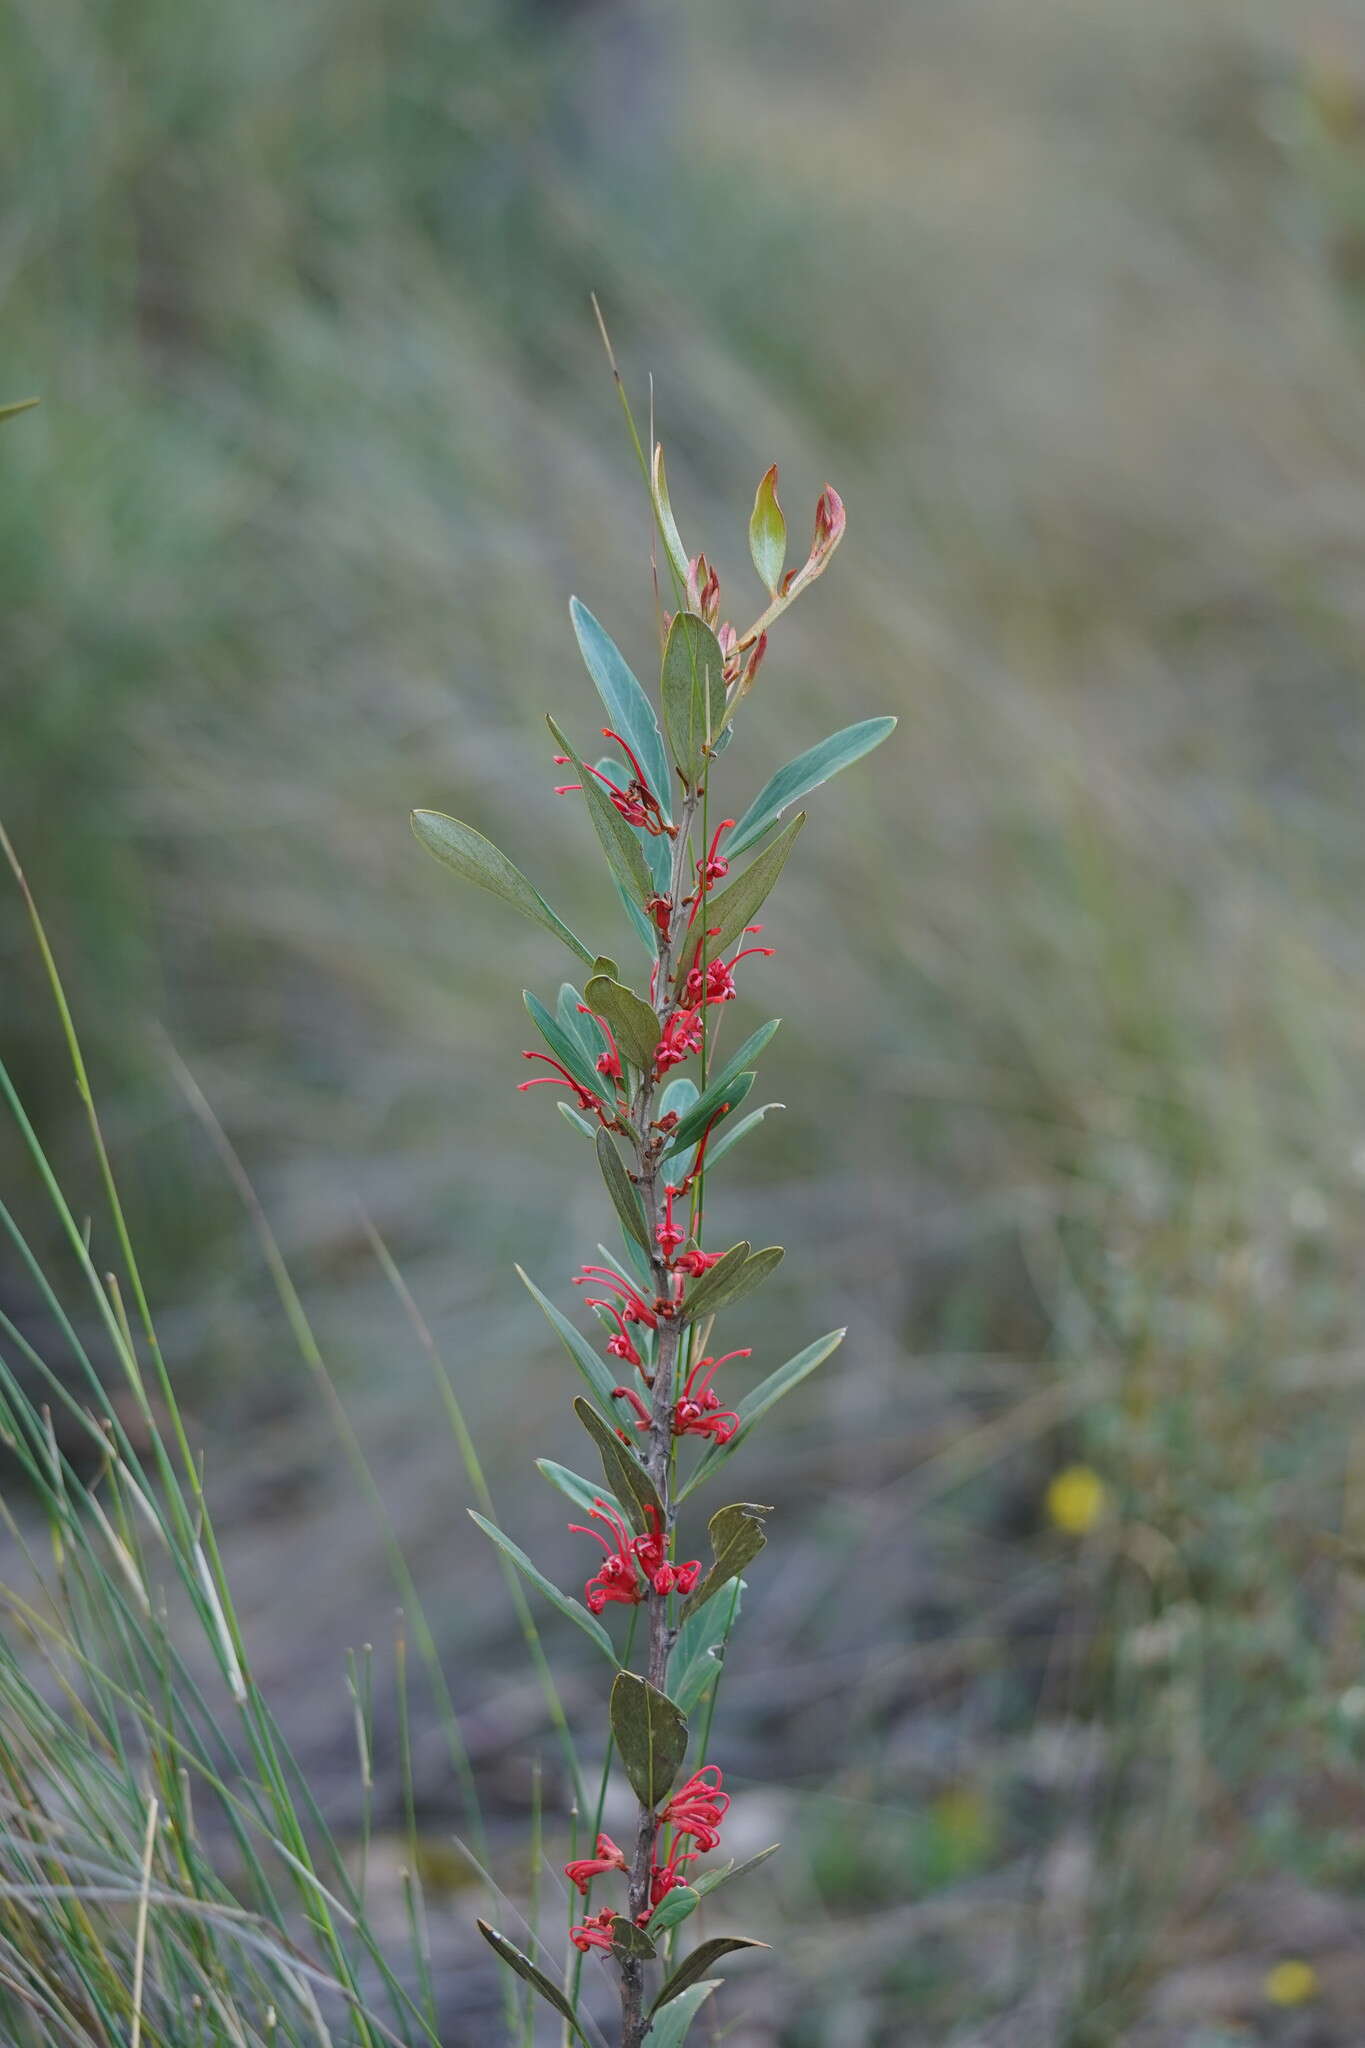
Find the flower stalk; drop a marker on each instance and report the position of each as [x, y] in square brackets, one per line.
[627, 1061]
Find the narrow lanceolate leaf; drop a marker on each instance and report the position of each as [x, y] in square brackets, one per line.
[460, 847]
[575, 1488]
[625, 1474]
[524, 1967]
[693, 1121]
[633, 1022]
[675, 1907]
[671, 2027]
[617, 838]
[668, 525]
[709, 1881]
[761, 1398]
[595, 1370]
[630, 1943]
[692, 688]
[768, 534]
[734, 906]
[651, 1736]
[736, 1538]
[573, 1609]
[805, 773]
[566, 1049]
[8, 412]
[701, 1292]
[623, 1191]
[730, 1133]
[629, 710]
[735, 1284]
[580, 1123]
[698, 1653]
[697, 1965]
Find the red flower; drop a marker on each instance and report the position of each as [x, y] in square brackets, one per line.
[562, 1078]
[617, 1578]
[596, 1931]
[683, 1035]
[633, 1305]
[665, 1878]
[698, 1412]
[609, 1062]
[637, 803]
[699, 1808]
[695, 1263]
[608, 1857]
[715, 866]
[718, 983]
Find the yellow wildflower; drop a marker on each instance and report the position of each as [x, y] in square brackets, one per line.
[1292, 1982]
[1076, 1499]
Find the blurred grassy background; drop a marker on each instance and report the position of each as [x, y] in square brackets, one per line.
[1067, 302]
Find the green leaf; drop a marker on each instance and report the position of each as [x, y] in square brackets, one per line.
[580, 1491]
[668, 525]
[731, 1284]
[617, 838]
[624, 1471]
[671, 2027]
[692, 688]
[737, 1537]
[679, 1095]
[651, 1736]
[580, 1123]
[698, 1963]
[768, 534]
[623, 1191]
[478, 860]
[697, 1299]
[630, 1943]
[570, 1016]
[566, 1049]
[694, 1121]
[733, 908]
[727, 1095]
[675, 1907]
[9, 412]
[524, 1967]
[629, 710]
[644, 930]
[710, 1879]
[633, 1022]
[697, 1657]
[595, 1370]
[574, 1609]
[761, 1398]
[728, 1133]
[805, 773]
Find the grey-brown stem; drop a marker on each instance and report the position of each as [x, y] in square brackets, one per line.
[658, 1455]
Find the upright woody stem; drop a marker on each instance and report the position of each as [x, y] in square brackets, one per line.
[649, 1147]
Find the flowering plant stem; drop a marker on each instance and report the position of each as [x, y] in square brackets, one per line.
[621, 1057]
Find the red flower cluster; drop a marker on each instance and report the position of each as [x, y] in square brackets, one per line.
[634, 1564]
[637, 802]
[697, 1412]
[694, 1813]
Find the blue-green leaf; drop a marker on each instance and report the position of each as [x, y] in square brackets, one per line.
[675, 1907]
[460, 847]
[565, 1049]
[729, 1133]
[618, 840]
[732, 910]
[629, 710]
[732, 1091]
[805, 773]
[679, 1096]
[598, 1374]
[574, 1609]
[695, 1662]
[670, 2028]
[693, 1121]
[581, 1492]
[696, 1966]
